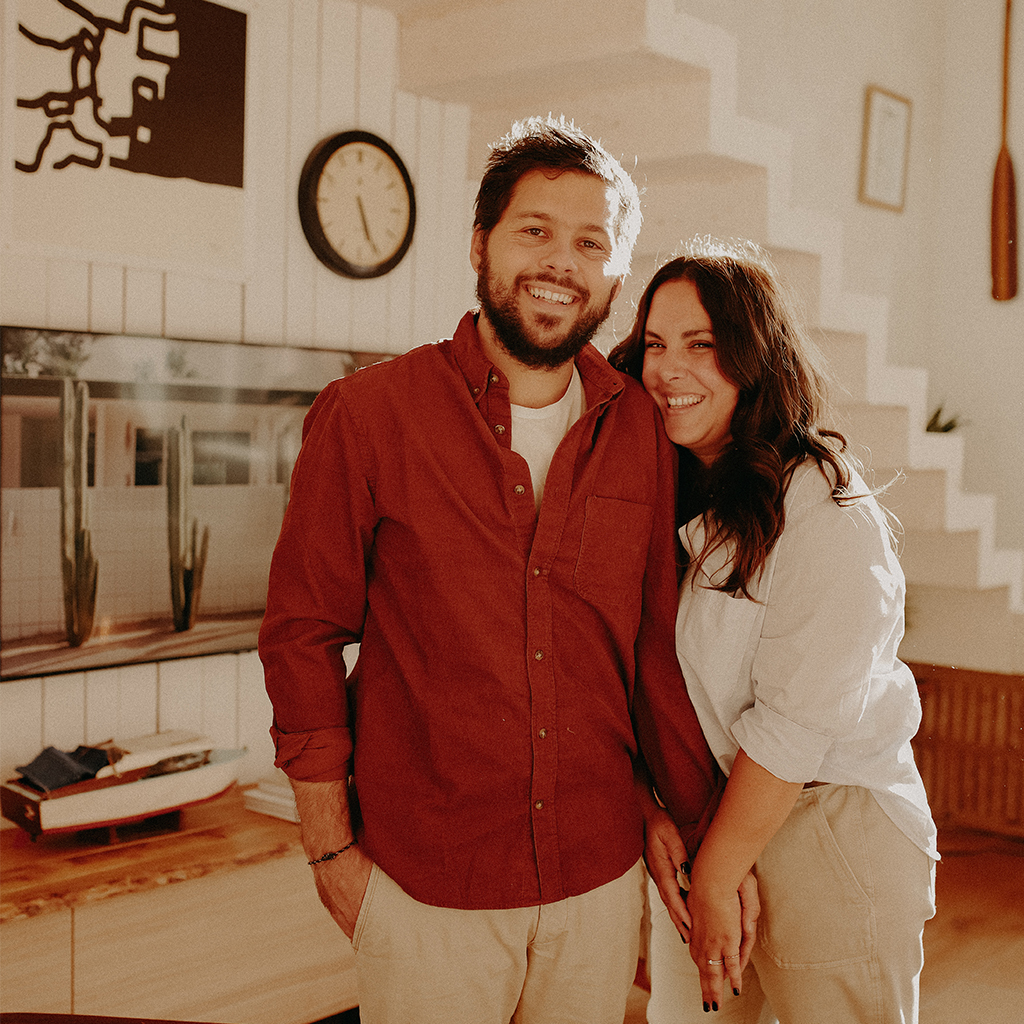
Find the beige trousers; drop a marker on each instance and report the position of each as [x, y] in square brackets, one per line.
[844, 898]
[571, 962]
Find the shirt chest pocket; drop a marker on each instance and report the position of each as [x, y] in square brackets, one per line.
[613, 551]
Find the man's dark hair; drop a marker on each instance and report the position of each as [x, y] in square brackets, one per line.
[555, 145]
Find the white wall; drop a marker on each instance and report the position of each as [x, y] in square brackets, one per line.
[803, 68]
[313, 68]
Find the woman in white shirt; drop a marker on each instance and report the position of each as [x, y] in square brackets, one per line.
[790, 617]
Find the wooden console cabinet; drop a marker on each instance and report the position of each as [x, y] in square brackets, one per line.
[218, 921]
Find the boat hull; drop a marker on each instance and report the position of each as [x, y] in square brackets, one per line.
[119, 802]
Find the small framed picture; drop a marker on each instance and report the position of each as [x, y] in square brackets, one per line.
[885, 149]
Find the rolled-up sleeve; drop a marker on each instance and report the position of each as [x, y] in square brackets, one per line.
[316, 601]
[833, 613]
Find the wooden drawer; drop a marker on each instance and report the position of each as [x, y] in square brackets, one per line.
[35, 964]
[252, 946]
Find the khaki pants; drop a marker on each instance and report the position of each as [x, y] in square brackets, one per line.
[571, 962]
[844, 898]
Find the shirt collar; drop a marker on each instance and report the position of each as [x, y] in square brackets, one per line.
[601, 382]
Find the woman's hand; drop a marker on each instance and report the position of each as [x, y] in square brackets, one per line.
[716, 940]
[750, 911]
[722, 898]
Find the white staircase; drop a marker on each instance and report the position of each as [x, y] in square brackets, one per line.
[660, 84]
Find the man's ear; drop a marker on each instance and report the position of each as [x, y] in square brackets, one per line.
[477, 247]
[617, 288]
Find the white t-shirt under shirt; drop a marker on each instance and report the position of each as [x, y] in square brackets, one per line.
[536, 433]
[806, 678]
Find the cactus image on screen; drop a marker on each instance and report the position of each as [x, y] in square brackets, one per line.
[79, 569]
[186, 549]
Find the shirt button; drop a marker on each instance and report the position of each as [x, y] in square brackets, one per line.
[538, 655]
[519, 489]
[499, 429]
[543, 734]
[536, 571]
[494, 378]
[476, 391]
[539, 805]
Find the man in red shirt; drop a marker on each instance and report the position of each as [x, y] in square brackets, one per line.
[492, 519]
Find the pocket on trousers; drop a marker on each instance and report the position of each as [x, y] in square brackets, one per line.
[364, 907]
[613, 551]
[814, 911]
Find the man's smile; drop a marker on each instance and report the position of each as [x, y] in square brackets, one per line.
[548, 295]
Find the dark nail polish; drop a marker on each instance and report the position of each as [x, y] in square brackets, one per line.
[685, 867]
[707, 1008]
[714, 1006]
[735, 991]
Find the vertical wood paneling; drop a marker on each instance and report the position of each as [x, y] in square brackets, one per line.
[106, 298]
[201, 694]
[269, 198]
[144, 302]
[378, 69]
[180, 696]
[22, 299]
[121, 702]
[313, 68]
[255, 715]
[220, 699]
[336, 112]
[377, 57]
[202, 307]
[64, 711]
[304, 79]
[21, 724]
[403, 295]
[428, 263]
[102, 707]
[67, 295]
[455, 289]
[338, 65]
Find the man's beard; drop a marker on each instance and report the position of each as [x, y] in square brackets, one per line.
[503, 314]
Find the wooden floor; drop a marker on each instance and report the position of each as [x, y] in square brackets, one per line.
[974, 947]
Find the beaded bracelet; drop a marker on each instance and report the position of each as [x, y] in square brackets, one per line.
[332, 854]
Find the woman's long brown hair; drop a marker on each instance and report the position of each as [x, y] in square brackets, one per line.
[778, 420]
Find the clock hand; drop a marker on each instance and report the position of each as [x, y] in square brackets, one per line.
[362, 216]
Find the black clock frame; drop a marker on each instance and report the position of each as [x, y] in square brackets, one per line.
[309, 216]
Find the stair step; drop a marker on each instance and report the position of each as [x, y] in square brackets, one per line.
[800, 273]
[609, 48]
[659, 85]
[940, 558]
[651, 125]
[917, 497]
[877, 434]
[846, 358]
[682, 202]
[974, 629]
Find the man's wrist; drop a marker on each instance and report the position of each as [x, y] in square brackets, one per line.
[331, 854]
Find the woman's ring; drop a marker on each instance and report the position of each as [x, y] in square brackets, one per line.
[734, 957]
[716, 963]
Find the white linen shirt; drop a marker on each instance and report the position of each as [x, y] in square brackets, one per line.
[805, 678]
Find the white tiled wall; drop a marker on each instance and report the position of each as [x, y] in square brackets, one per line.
[314, 67]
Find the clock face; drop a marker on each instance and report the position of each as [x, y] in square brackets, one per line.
[356, 204]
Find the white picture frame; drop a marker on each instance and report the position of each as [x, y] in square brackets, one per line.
[885, 149]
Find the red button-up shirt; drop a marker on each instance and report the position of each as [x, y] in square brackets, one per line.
[487, 720]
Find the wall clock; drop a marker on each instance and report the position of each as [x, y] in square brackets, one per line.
[356, 204]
